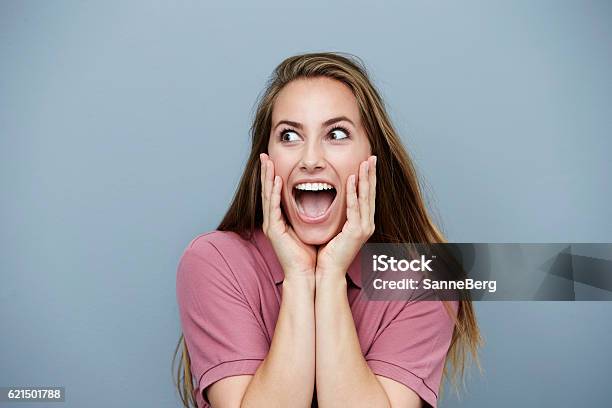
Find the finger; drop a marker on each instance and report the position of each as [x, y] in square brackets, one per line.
[372, 176]
[352, 205]
[264, 167]
[364, 194]
[269, 183]
[275, 200]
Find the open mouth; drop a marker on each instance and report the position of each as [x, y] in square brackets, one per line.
[314, 200]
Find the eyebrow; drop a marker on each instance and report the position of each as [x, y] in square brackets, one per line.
[326, 123]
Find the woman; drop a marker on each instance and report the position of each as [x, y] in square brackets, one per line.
[271, 304]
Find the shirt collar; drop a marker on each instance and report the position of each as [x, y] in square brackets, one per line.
[267, 251]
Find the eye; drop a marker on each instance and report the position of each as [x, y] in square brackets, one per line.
[341, 132]
[286, 135]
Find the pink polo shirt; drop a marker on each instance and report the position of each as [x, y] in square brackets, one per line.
[229, 294]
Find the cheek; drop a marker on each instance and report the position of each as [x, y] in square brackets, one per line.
[282, 167]
[349, 165]
[282, 163]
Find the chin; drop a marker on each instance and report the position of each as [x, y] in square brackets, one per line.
[315, 234]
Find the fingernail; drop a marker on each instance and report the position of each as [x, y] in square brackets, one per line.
[375, 160]
[276, 179]
[367, 166]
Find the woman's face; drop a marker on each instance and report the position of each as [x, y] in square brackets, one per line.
[316, 142]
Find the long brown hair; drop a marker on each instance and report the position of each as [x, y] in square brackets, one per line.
[400, 216]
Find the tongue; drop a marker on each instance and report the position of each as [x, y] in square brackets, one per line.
[315, 204]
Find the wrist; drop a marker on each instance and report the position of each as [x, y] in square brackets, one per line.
[301, 282]
[330, 278]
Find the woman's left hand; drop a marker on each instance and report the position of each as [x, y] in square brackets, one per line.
[336, 256]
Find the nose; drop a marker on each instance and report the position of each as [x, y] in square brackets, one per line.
[313, 156]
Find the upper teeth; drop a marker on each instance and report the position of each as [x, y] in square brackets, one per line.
[314, 186]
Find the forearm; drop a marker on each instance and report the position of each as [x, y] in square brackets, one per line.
[343, 377]
[286, 376]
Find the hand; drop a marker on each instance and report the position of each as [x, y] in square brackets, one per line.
[337, 255]
[295, 257]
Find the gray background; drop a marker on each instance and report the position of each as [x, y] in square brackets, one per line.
[124, 130]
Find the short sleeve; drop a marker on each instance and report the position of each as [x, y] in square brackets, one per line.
[412, 348]
[222, 334]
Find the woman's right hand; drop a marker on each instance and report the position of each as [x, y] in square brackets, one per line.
[296, 258]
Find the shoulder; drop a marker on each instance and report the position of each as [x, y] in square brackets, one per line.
[219, 256]
[225, 243]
